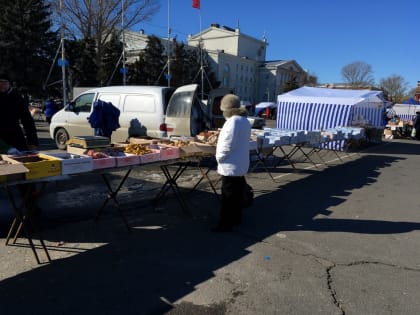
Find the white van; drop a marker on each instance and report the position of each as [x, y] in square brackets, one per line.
[142, 113]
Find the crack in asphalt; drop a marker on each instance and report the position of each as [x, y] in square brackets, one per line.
[330, 265]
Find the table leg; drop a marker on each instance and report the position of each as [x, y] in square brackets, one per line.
[112, 195]
[288, 156]
[204, 175]
[306, 155]
[21, 220]
[171, 183]
[261, 160]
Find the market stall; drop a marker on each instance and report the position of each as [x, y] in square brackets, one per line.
[87, 155]
[93, 155]
[309, 108]
[265, 109]
[400, 120]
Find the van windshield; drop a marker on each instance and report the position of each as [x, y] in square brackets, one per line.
[84, 103]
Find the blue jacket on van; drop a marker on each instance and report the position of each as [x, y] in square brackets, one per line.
[104, 118]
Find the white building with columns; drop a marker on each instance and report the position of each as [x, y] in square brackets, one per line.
[238, 60]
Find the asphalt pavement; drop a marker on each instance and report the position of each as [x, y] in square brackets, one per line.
[335, 238]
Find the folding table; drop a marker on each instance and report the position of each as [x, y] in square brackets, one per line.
[112, 193]
[25, 210]
[180, 166]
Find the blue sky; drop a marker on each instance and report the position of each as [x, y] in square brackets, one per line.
[321, 35]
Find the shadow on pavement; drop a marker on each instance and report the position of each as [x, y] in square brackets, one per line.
[167, 254]
[297, 203]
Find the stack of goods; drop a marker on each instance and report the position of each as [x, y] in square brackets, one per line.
[168, 151]
[204, 144]
[146, 153]
[95, 147]
[209, 137]
[73, 163]
[11, 170]
[38, 164]
[88, 142]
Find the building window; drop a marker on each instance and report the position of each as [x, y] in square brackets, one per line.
[226, 74]
[226, 68]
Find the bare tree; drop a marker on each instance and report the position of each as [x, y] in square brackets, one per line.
[311, 79]
[358, 74]
[98, 19]
[394, 87]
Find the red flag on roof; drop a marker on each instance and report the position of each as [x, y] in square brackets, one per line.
[196, 4]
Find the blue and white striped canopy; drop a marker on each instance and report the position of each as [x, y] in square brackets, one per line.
[309, 108]
[405, 111]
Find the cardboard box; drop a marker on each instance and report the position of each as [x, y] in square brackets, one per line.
[189, 150]
[194, 149]
[73, 163]
[97, 163]
[12, 171]
[39, 165]
[204, 148]
[89, 141]
[125, 159]
[153, 156]
[142, 140]
[168, 152]
[85, 151]
[105, 162]
[77, 150]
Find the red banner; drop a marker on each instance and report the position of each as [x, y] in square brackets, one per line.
[196, 4]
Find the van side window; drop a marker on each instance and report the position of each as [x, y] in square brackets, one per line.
[139, 103]
[84, 103]
[110, 98]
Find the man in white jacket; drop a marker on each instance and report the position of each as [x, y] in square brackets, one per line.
[232, 155]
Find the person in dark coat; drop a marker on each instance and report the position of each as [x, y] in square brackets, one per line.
[14, 114]
[416, 125]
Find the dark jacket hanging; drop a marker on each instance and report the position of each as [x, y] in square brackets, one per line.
[104, 118]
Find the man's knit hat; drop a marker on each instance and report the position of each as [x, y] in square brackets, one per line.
[230, 101]
[4, 76]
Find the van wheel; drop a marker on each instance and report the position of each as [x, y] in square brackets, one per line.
[61, 137]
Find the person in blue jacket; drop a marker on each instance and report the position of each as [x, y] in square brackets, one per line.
[50, 109]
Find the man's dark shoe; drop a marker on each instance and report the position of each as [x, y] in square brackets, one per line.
[237, 221]
[222, 228]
